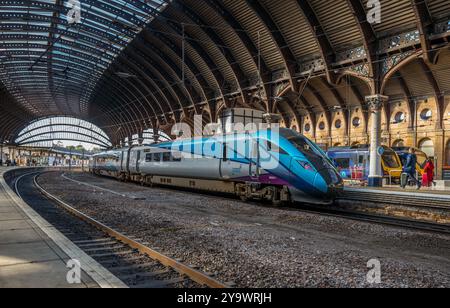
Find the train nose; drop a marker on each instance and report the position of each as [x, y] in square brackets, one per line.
[320, 183]
[328, 182]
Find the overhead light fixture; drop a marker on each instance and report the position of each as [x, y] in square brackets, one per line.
[125, 75]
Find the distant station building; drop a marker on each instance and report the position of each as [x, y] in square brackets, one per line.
[44, 157]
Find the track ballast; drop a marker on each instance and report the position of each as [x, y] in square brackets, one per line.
[126, 257]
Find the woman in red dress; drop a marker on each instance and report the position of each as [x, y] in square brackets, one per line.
[428, 173]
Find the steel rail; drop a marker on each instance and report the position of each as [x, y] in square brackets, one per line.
[379, 219]
[354, 215]
[193, 274]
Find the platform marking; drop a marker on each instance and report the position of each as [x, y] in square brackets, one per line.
[400, 193]
[103, 277]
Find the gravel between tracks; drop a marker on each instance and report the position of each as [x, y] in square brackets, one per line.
[256, 246]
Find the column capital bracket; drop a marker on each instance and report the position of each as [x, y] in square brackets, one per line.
[375, 102]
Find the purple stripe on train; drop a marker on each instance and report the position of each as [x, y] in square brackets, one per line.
[265, 179]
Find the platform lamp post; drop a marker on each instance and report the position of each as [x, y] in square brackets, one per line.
[1, 153]
[416, 123]
[70, 160]
[82, 159]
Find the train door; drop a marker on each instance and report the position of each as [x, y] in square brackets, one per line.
[365, 163]
[121, 160]
[138, 161]
[123, 163]
[254, 159]
[128, 160]
[226, 168]
[233, 161]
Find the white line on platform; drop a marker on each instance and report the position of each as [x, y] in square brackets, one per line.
[399, 193]
[103, 277]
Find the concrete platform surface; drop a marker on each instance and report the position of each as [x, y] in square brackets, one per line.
[31, 258]
[409, 192]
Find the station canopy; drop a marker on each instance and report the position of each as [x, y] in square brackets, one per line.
[50, 62]
[132, 65]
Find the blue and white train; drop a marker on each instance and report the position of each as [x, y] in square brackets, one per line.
[264, 165]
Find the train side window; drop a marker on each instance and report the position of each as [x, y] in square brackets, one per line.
[343, 163]
[157, 157]
[176, 157]
[271, 147]
[148, 158]
[224, 149]
[167, 156]
[361, 160]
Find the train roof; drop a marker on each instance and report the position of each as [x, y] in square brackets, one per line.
[405, 150]
[357, 148]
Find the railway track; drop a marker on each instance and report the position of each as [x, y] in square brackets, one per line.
[379, 219]
[347, 214]
[128, 258]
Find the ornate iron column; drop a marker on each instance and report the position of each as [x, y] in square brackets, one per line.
[375, 104]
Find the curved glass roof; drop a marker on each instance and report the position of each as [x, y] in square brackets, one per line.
[43, 132]
[50, 62]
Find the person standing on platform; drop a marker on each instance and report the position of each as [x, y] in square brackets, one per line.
[409, 170]
[428, 173]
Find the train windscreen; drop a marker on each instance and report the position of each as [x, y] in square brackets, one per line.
[421, 159]
[304, 146]
[390, 160]
[312, 152]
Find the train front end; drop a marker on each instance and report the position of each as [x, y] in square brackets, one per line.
[314, 178]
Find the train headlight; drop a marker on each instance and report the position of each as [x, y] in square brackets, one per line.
[306, 165]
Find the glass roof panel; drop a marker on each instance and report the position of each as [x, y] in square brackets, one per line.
[62, 128]
[37, 36]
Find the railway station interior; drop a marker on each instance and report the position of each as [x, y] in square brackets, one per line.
[105, 103]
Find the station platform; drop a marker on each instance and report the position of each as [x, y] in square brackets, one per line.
[33, 253]
[443, 195]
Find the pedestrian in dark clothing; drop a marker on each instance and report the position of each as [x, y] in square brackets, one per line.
[410, 169]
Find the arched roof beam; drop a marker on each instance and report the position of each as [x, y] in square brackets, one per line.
[218, 76]
[326, 49]
[289, 60]
[369, 39]
[156, 90]
[323, 105]
[408, 97]
[215, 38]
[50, 45]
[28, 140]
[171, 71]
[440, 100]
[165, 40]
[425, 24]
[247, 42]
[342, 104]
[134, 102]
[29, 131]
[159, 80]
[113, 119]
[122, 100]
